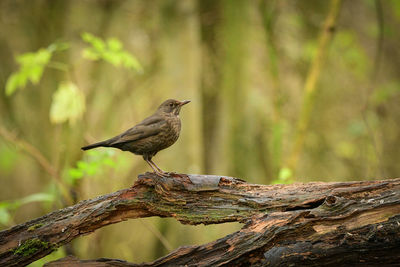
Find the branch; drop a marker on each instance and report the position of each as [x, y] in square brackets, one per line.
[293, 239]
[273, 215]
[41, 160]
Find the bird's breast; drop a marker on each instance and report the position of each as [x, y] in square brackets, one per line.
[171, 132]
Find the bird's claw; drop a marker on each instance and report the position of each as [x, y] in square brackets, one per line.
[162, 174]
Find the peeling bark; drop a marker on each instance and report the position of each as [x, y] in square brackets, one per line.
[310, 224]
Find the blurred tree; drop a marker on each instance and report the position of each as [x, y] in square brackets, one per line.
[210, 19]
[310, 86]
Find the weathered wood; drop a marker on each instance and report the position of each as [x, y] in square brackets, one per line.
[302, 223]
[283, 241]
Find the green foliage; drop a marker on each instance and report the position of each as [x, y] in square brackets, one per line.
[385, 92]
[346, 46]
[284, 177]
[31, 69]
[5, 216]
[59, 253]
[31, 246]
[68, 101]
[68, 104]
[276, 142]
[6, 207]
[93, 164]
[111, 51]
[38, 197]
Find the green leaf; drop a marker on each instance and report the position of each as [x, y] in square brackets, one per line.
[75, 173]
[109, 162]
[83, 165]
[31, 69]
[28, 60]
[114, 44]
[285, 176]
[5, 216]
[13, 82]
[60, 46]
[38, 197]
[94, 162]
[35, 74]
[7, 205]
[285, 173]
[111, 51]
[68, 104]
[90, 54]
[131, 62]
[96, 42]
[86, 36]
[111, 57]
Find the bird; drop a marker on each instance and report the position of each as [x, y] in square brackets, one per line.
[153, 134]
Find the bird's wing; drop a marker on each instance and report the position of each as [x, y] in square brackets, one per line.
[154, 119]
[148, 127]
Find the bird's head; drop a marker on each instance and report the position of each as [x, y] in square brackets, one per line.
[172, 106]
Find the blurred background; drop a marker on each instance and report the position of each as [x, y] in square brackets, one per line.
[282, 91]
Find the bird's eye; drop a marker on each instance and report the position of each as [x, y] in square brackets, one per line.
[171, 104]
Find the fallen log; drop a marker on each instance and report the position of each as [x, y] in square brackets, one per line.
[309, 224]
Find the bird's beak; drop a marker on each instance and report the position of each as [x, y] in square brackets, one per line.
[184, 102]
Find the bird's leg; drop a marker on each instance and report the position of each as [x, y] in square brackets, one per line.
[158, 168]
[151, 165]
[155, 165]
[155, 168]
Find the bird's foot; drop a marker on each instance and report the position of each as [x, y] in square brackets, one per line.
[173, 174]
[162, 174]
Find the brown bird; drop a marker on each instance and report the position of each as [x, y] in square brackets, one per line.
[153, 134]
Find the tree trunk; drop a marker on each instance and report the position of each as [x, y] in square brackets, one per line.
[314, 224]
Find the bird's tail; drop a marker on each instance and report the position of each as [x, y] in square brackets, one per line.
[102, 143]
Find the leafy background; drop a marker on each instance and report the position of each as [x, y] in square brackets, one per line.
[74, 72]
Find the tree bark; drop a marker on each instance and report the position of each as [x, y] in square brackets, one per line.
[310, 224]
